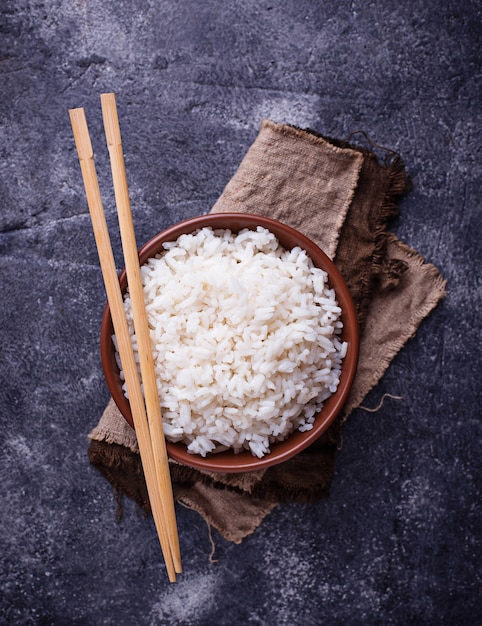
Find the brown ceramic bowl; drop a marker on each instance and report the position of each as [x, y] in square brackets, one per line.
[288, 237]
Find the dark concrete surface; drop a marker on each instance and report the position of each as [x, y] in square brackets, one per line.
[398, 541]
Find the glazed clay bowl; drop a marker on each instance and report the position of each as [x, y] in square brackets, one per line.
[228, 461]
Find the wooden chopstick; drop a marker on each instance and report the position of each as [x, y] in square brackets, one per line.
[141, 325]
[114, 297]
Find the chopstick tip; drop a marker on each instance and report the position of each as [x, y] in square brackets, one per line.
[81, 133]
[111, 119]
[77, 113]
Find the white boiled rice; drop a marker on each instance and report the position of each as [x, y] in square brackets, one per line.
[245, 338]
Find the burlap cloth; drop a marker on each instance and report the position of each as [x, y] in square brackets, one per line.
[343, 198]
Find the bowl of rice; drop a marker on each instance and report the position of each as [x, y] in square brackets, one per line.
[254, 338]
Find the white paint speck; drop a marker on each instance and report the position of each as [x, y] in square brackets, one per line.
[186, 601]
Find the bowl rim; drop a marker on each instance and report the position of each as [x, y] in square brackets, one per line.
[228, 461]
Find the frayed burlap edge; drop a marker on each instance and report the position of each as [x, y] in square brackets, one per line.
[421, 282]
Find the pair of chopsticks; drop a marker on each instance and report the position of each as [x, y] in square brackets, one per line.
[145, 406]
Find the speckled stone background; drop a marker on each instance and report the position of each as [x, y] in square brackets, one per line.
[398, 541]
